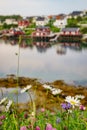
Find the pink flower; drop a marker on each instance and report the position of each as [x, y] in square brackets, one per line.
[82, 107]
[23, 128]
[2, 117]
[42, 109]
[49, 127]
[37, 128]
[1, 123]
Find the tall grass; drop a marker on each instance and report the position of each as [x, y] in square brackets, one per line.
[76, 120]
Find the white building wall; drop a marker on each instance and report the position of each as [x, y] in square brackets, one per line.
[42, 23]
[10, 21]
[61, 23]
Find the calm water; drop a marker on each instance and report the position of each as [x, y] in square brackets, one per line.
[48, 63]
[10, 93]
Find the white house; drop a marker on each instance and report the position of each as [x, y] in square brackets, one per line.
[61, 22]
[10, 21]
[41, 21]
[75, 14]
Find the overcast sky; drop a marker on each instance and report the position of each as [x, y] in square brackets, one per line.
[40, 7]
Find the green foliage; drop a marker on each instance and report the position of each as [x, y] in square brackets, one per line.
[1, 27]
[72, 22]
[85, 18]
[50, 23]
[5, 26]
[33, 25]
[58, 120]
[79, 19]
[54, 29]
[16, 17]
[84, 30]
[29, 31]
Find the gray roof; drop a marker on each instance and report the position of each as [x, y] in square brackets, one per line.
[70, 29]
[40, 19]
[74, 13]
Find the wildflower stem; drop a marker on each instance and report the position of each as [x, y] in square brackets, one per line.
[31, 101]
[1, 92]
[18, 65]
[68, 120]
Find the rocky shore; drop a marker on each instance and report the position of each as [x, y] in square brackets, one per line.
[43, 97]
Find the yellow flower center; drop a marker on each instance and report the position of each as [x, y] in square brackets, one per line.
[73, 102]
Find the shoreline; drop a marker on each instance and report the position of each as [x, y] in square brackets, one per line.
[83, 40]
[44, 98]
[12, 78]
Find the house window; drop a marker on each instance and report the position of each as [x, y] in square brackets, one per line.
[41, 34]
[37, 34]
[44, 34]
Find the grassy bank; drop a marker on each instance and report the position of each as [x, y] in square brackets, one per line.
[56, 106]
[43, 96]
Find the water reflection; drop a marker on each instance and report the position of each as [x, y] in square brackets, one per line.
[61, 50]
[44, 60]
[10, 93]
[73, 46]
[44, 46]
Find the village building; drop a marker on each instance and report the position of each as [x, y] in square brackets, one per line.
[76, 14]
[70, 35]
[23, 24]
[15, 32]
[70, 31]
[61, 21]
[41, 21]
[10, 21]
[41, 33]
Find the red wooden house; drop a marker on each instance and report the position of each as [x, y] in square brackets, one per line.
[23, 23]
[16, 32]
[41, 32]
[70, 31]
[70, 35]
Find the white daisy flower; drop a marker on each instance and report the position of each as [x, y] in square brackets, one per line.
[53, 90]
[8, 105]
[26, 89]
[3, 100]
[46, 86]
[73, 101]
[56, 91]
[80, 96]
